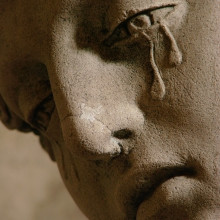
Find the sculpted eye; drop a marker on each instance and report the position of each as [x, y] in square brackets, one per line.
[144, 20]
[143, 28]
[119, 34]
[42, 114]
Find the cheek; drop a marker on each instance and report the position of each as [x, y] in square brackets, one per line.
[196, 83]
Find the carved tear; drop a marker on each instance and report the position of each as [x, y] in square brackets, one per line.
[140, 27]
[144, 27]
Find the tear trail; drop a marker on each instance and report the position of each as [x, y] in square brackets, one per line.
[158, 89]
[175, 57]
[139, 27]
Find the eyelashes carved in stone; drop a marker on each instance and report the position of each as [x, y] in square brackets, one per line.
[142, 20]
[142, 26]
[42, 114]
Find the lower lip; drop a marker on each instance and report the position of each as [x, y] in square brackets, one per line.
[169, 200]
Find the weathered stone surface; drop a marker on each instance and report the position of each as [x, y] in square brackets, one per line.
[124, 96]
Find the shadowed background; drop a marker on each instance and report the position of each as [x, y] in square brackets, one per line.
[30, 185]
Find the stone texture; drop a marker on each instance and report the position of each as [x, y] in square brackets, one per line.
[124, 96]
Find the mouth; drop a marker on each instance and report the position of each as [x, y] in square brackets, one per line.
[140, 186]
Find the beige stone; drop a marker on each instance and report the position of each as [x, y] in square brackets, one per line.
[124, 96]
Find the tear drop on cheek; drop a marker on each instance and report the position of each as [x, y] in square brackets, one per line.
[175, 57]
[139, 27]
[158, 89]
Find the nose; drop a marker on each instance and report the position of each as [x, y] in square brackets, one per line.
[122, 134]
[98, 118]
[96, 100]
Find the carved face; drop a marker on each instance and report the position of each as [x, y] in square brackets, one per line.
[125, 96]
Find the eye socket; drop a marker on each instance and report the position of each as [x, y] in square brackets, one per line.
[42, 114]
[120, 33]
[141, 21]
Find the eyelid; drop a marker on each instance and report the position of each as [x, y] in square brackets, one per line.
[122, 28]
[129, 9]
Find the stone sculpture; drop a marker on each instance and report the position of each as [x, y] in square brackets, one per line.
[124, 96]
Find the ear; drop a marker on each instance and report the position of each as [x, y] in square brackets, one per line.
[10, 119]
[47, 147]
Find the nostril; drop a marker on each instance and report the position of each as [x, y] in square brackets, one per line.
[122, 134]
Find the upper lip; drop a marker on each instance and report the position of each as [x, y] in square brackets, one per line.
[140, 185]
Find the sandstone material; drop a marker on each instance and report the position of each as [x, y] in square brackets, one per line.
[124, 96]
